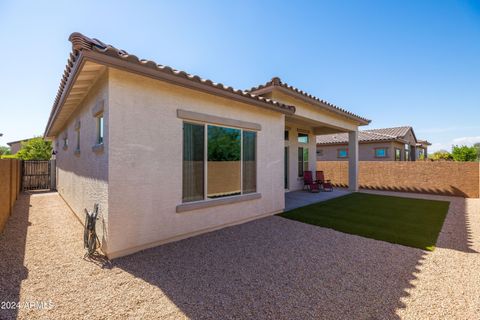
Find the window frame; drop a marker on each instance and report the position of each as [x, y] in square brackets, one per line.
[306, 135]
[340, 150]
[381, 148]
[100, 123]
[205, 161]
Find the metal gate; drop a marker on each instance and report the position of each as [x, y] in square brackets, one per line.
[38, 175]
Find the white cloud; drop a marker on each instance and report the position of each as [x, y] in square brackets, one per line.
[466, 140]
[445, 129]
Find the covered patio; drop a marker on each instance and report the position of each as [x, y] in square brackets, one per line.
[312, 117]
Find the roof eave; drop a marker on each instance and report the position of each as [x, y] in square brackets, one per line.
[271, 87]
[148, 71]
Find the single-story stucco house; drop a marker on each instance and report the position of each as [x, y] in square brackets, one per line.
[168, 155]
[388, 144]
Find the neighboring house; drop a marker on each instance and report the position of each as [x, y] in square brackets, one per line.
[389, 144]
[15, 146]
[168, 155]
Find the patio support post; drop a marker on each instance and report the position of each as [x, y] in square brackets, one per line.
[353, 161]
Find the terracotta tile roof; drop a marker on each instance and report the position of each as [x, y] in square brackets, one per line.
[372, 135]
[397, 132]
[277, 82]
[81, 42]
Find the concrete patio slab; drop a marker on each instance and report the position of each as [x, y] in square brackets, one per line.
[297, 199]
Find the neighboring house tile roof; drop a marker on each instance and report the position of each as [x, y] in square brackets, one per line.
[397, 132]
[277, 82]
[81, 43]
[372, 135]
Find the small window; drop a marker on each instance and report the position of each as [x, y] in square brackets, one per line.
[77, 149]
[398, 154]
[303, 138]
[286, 138]
[100, 129]
[342, 153]
[381, 152]
[407, 155]
[302, 160]
[65, 141]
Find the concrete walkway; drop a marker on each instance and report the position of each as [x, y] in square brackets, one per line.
[271, 268]
[296, 199]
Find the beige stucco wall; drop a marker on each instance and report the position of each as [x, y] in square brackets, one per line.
[294, 181]
[366, 152]
[145, 163]
[82, 179]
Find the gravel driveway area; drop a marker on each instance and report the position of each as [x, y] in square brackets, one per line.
[272, 268]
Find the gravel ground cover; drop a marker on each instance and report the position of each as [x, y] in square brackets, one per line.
[272, 268]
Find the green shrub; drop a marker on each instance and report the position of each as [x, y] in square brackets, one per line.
[35, 149]
[464, 153]
[441, 155]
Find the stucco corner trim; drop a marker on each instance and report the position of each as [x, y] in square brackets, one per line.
[98, 148]
[202, 117]
[98, 108]
[184, 207]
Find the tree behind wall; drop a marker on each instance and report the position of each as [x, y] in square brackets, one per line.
[4, 150]
[35, 149]
[464, 153]
[477, 146]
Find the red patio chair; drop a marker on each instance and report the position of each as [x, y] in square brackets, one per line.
[309, 183]
[320, 179]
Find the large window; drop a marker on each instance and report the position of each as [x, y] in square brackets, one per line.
[223, 166]
[302, 160]
[230, 166]
[381, 152]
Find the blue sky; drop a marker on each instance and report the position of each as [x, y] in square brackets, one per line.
[396, 62]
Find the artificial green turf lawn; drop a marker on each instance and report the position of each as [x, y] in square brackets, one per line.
[410, 222]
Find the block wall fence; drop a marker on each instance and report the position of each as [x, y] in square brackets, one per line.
[9, 188]
[444, 178]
